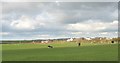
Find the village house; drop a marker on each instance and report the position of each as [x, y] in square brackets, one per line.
[69, 40]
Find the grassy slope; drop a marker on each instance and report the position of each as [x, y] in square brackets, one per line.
[39, 52]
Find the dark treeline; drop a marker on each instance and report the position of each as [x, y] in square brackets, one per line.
[15, 41]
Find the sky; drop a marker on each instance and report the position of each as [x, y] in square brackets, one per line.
[48, 20]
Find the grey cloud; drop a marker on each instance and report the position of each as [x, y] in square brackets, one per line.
[66, 13]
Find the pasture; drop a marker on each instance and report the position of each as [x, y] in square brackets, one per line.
[61, 52]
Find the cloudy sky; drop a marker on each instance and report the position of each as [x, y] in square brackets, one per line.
[38, 20]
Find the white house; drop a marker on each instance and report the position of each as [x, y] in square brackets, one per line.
[45, 41]
[88, 38]
[71, 39]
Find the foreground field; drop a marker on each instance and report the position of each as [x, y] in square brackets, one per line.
[60, 52]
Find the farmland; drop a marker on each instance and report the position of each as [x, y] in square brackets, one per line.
[64, 51]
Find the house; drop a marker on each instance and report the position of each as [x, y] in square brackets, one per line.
[88, 38]
[46, 41]
[69, 40]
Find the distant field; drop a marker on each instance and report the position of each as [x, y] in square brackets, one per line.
[60, 52]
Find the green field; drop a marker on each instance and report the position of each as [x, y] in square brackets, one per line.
[60, 52]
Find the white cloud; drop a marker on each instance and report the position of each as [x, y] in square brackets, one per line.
[76, 33]
[116, 32]
[4, 33]
[43, 35]
[115, 22]
[104, 33]
[44, 19]
[91, 26]
[23, 23]
[27, 23]
[113, 25]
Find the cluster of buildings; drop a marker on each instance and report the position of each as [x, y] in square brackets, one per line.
[82, 39]
[88, 39]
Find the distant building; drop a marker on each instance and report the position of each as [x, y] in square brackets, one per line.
[46, 41]
[69, 40]
[88, 38]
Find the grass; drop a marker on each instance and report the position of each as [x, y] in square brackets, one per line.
[60, 52]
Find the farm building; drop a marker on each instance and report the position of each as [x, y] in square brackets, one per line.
[69, 40]
[46, 41]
